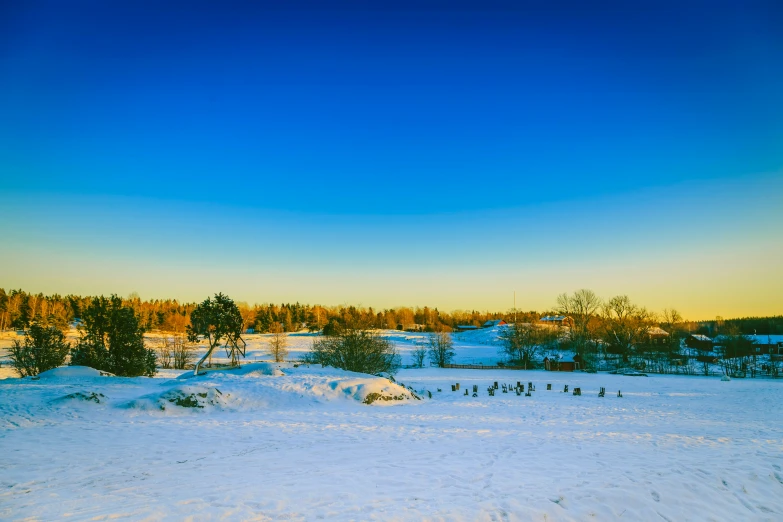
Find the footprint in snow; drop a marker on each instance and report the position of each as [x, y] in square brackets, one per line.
[656, 497]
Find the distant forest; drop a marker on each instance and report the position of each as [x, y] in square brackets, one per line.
[19, 309]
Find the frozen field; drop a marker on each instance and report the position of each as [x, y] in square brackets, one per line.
[274, 442]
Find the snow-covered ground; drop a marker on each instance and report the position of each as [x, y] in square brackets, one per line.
[474, 347]
[285, 442]
[275, 442]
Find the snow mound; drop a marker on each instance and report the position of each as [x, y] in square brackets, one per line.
[72, 372]
[258, 369]
[365, 390]
[194, 397]
[248, 370]
[95, 397]
[487, 336]
[189, 396]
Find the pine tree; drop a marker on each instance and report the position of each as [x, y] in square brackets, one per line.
[43, 348]
[113, 341]
[217, 319]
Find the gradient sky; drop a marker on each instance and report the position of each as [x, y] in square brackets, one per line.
[386, 154]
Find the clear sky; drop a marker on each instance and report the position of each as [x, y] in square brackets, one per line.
[393, 153]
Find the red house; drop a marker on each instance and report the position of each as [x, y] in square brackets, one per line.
[564, 363]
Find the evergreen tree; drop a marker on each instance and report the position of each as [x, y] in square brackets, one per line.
[113, 341]
[216, 320]
[43, 348]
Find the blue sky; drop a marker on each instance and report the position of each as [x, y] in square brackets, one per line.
[389, 154]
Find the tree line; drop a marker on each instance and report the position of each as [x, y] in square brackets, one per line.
[19, 309]
[111, 333]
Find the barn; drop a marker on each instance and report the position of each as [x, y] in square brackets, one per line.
[494, 322]
[563, 363]
[698, 341]
[557, 320]
[466, 327]
[657, 335]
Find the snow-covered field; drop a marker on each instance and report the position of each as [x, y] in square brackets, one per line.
[278, 442]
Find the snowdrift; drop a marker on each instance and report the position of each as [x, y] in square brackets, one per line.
[263, 386]
[70, 373]
[366, 390]
[184, 397]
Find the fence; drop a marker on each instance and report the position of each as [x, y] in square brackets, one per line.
[482, 367]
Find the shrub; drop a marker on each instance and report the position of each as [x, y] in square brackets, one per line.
[332, 328]
[43, 348]
[278, 344]
[356, 350]
[181, 353]
[174, 352]
[164, 353]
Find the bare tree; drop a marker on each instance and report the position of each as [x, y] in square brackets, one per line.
[419, 354]
[181, 352]
[522, 342]
[278, 343]
[165, 355]
[672, 323]
[583, 307]
[625, 325]
[441, 348]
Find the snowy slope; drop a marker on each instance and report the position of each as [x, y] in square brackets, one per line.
[280, 442]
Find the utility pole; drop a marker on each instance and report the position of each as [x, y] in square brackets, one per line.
[515, 308]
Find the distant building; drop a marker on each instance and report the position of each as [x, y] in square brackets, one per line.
[657, 335]
[494, 322]
[563, 363]
[768, 344]
[698, 341]
[557, 320]
[466, 327]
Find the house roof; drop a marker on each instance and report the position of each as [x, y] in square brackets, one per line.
[757, 338]
[700, 337]
[494, 322]
[553, 318]
[656, 330]
[766, 339]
